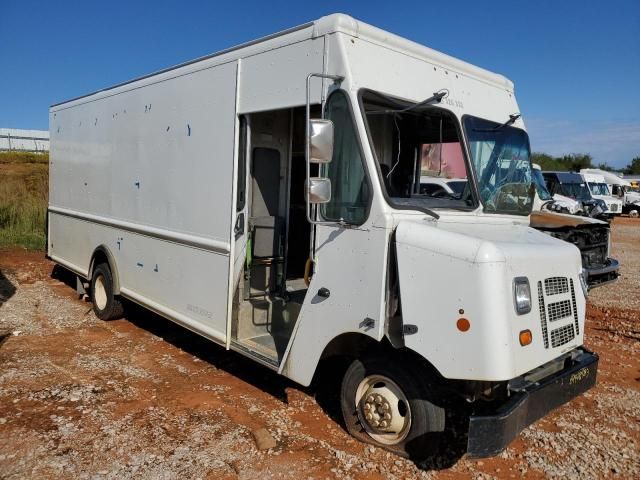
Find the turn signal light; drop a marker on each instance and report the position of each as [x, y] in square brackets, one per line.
[525, 337]
[463, 324]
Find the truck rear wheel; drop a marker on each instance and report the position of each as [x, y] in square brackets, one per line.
[386, 405]
[105, 304]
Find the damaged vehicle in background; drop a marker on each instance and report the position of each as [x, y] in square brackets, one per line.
[573, 186]
[599, 189]
[557, 203]
[590, 235]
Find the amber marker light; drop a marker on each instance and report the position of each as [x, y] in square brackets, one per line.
[525, 337]
[463, 324]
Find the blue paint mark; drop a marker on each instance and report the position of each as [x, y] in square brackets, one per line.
[139, 264]
[188, 130]
[168, 128]
[156, 269]
[137, 184]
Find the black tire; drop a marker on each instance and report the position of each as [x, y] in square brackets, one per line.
[107, 306]
[427, 420]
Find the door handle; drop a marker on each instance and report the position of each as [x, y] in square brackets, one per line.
[324, 292]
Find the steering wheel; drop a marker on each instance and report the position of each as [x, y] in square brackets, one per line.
[504, 196]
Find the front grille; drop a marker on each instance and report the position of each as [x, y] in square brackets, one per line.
[575, 308]
[556, 285]
[614, 207]
[559, 310]
[543, 317]
[563, 335]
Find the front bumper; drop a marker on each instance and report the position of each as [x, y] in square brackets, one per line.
[598, 276]
[490, 434]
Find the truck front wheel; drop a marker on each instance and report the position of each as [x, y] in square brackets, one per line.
[105, 304]
[387, 405]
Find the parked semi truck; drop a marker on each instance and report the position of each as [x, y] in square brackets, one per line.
[268, 198]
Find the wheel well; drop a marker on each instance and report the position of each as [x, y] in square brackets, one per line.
[103, 255]
[356, 345]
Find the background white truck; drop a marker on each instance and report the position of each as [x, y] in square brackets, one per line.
[600, 189]
[558, 203]
[184, 191]
[621, 189]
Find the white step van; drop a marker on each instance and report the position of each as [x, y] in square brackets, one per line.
[619, 188]
[600, 189]
[268, 198]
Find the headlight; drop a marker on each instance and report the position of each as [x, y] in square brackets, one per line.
[583, 282]
[521, 295]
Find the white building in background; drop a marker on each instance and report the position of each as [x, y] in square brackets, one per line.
[24, 140]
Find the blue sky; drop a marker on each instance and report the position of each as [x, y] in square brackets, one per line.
[575, 64]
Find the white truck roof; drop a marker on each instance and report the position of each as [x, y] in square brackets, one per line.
[592, 177]
[335, 23]
[608, 177]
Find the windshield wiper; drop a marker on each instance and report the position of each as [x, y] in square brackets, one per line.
[512, 118]
[436, 97]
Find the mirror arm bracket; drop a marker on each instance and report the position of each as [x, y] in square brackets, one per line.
[307, 148]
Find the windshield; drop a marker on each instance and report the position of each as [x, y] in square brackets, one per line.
[578, 191]
[419, 152]
[599, 188]
[501, 157]
[541, 187]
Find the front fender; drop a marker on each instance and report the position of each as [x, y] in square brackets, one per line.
[449, 272]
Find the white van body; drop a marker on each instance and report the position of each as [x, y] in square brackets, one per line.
[149, 177]
[629, 197]
[599, 188]
[564, 204]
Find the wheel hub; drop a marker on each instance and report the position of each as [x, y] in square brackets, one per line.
[383, 409]
[377, 411]
[100, 293]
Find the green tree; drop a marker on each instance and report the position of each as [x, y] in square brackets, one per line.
[576, 161]
[633, 168]
[572, 162]
[545, 161]
[605, 167]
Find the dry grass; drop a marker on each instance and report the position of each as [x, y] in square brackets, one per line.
[24, 180]
[24, 157]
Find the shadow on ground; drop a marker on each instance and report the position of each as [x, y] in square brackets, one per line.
[7, 290]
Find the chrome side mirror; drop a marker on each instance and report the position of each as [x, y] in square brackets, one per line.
[318, 190]
[321, 141]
